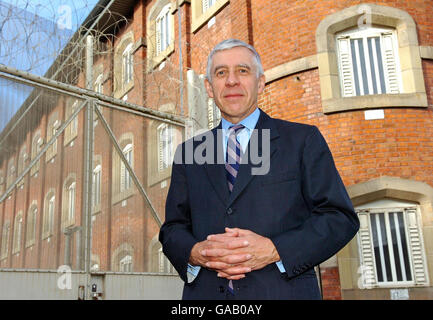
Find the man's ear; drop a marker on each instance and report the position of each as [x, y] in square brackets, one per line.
[208, 87]
[262, 83]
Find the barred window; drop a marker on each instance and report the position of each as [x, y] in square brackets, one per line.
[165, 146]
[368, 62]
[163, 29]
[127, 64]
[391, 247]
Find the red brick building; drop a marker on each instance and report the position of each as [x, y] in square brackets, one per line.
[361, 72]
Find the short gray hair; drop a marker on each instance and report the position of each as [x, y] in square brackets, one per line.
[232, 43]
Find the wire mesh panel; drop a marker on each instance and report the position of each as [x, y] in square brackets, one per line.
[40, 178]
[131, 166]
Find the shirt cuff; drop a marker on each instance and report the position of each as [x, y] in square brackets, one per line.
[280, 266]
[192, 272]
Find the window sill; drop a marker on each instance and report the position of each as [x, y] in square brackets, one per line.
[69, 139]
[96, 209]
[46, 235]
[50, 157]
[155, 62]
[30, 244]
[118, 94]
[158, 176]
[403, 100]
[200, 20]
[123, 195]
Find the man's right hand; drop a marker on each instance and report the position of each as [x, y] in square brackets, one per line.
[230, 254]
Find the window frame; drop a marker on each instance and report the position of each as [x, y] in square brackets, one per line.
[18, 233]
[366, 245]
[200, 16]
[125, 177]
[165, 152]
[384, 35]
[5, 235]
[127, 65]
[413, 93]
[32, 215]
[164, 33]
[49, 213]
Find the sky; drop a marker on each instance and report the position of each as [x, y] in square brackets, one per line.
[32, 34]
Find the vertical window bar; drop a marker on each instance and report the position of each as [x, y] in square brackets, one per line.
[362, 63]
[399, 245]
[390, 247]
[355, 67]
[380, 64]
[404, 245]
[385, 245]
[373, 62]
[378, 252]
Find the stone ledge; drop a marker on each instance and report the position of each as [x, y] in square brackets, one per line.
[403, 100]
[291, 67]
[426, 52]
[200, 20]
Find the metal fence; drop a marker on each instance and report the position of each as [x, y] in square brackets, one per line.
[83, 181]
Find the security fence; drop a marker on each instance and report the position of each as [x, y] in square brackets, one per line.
[83, 181]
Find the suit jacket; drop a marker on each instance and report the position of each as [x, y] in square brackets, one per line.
[301, 204]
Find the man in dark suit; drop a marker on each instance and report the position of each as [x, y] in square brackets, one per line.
[234, 230]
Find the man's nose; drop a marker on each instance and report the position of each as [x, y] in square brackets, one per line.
[232, 79]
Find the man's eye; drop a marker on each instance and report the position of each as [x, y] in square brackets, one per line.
[243, 70]
[220, 73]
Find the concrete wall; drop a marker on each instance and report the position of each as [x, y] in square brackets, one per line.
[46, 285]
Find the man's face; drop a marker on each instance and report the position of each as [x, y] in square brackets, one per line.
[234, 85]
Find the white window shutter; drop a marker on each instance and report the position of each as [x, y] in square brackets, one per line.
[346, 69]
[210, 113]
[160, 149]
[205, 5]
[122, 175]
[389, 63]
[367, 268]
[416, 247]
[158, 36]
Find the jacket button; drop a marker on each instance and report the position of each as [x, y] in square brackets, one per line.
[221, 289]
[229, 211]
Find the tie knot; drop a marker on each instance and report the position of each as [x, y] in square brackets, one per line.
[236, 129]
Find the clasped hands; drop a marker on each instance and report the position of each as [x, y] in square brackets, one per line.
[234, 253]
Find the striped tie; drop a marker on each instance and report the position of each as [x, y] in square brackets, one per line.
[232, 166]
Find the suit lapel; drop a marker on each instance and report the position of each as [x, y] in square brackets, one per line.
[216, 171]
[244, 175]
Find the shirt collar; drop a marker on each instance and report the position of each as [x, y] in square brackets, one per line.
[249, 122]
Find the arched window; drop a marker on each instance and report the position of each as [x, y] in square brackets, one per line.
[18, 229]
[5, 240]
[165, 146]
[69, 201]
[11, 173]
[127, 64]
[48, 220]
[97, 185]
[163, 29]
[22, 163]
[31, 225]
[37, 143]
[52, 127]
[125, 177]
[125, 264]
